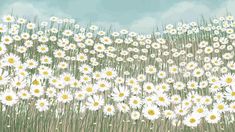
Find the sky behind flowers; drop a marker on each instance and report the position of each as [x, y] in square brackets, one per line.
[137, 15]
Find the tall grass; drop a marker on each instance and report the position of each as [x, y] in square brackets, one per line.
[121, 61]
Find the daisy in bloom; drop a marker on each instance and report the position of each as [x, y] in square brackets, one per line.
[109, 110]
[232, 107]
[131, 81]
[215, 87]
[148, 87]
[150, 69]
[3, 28]
[99, 47]
[96, 75]
[136, 89]
[7, 39]
[36, 81]
[75, 84]
[179, 85]
[60, 84]
[213, 117]
[162, 99]
[151, 112]
[161, 74]
[103, 85]
[82, 57]
[42, 48]
[36, 91]
[135, 102]
[219, 97]
[192, 85]
[169, 114]
[11, 59]
[135, 115]
[220, 107]
[173, 69]
[80, 95]
[31, 64]
[66, 78]
[122, 107]
[85, 69]
[63, 65]
[85, 78]
[120, 94]
[59, 53]
[18, 83]
[141, 77]
[9, 97]
[181, 110]
[24, 94]
[109, 73]
[106, 40]
[8, 18]
[163, 87]
[64, 97]
[200, 110]
[228, 80]
[42, 105]
[149, 100]
[89, 89]
[198, 72]
[230, 93]
[192, 120]
[3, 49]
[4, 77]
[175, 99]
[51, 92]
[94, 103]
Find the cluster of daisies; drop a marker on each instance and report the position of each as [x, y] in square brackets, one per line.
[184, 74]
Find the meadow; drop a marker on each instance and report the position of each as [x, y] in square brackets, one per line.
[59, 76]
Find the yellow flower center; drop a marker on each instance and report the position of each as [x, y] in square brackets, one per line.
[89, 89]
[35, 82]
[67, 78]
[109, 73]
[228, 80]
[121, 94]
[151, 112]
[220, 107]
[109, 109]
[65, 96]
[96, 103]
[11, 60]
[233, 93]
[42, 104]
[192, 120]
[135, 102]
[162, 99]
[200, 110]
[36, 91]
[8, 98]
[212, 117]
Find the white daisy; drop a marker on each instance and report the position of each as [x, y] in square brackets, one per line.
[151, 112]
[9, 97]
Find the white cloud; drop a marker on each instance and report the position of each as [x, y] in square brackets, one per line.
[28, 10]
[145, 24]
[186, 11]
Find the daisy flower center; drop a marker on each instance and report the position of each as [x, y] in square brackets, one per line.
[151, 112]
[9, 98]
[212, 117]
[65, 96]
[192, 120]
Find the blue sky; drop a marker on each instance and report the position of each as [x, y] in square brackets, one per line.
[136, 15]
